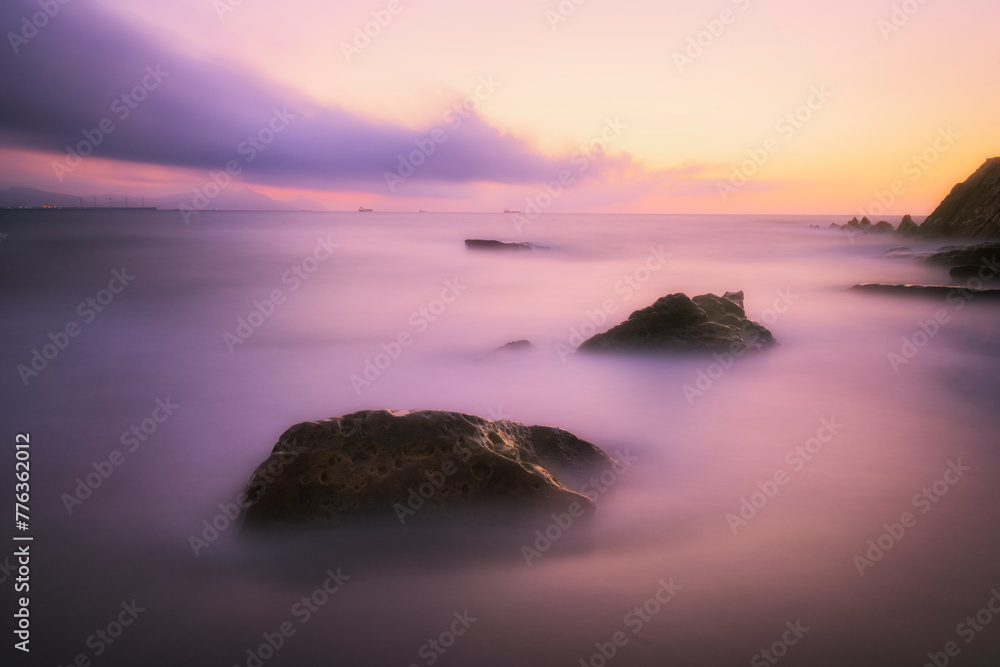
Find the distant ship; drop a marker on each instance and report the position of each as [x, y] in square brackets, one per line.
[362, 209]
[507, 210]
[421, 211]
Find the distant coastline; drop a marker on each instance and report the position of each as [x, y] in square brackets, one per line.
[80, 208]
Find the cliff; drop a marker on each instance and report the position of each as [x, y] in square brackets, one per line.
[972, 209]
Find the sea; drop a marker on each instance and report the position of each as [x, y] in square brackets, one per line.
[832, 500]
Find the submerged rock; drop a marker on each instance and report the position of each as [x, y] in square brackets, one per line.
[983, 254]
[901, 251]
[974, 272]
[882, 227]
[705, 323]
[518, 347]
[939, 291]
[515, 345]
[397, 464]
[491, 244]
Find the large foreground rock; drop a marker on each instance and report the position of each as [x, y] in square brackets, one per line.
[401, 464]
[972, 209]
[705, 323]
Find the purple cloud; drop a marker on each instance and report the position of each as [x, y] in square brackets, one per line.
[84, 67]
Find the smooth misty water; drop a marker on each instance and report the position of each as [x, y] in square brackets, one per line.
[163, 337]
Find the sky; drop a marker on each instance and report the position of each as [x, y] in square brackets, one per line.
[634, 106]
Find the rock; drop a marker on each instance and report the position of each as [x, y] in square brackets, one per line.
[972, 209]
[515, 345]
[490, 244]
[968, 271]
[902, 251]
[983, 254]
[834, 225]
[882, 227]
[905, 253]
[400, 464]
[706, 323]
[866, 226]
[907, 227]
[939, 291]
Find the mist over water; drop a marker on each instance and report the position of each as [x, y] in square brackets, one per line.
[704, 434]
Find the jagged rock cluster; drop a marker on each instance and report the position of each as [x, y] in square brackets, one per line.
[906, 226]
[971, 210]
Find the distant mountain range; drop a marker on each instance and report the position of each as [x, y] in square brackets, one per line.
[228, 200]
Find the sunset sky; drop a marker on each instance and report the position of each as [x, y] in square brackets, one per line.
[539, 86]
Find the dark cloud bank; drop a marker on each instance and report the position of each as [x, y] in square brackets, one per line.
[72, 74]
